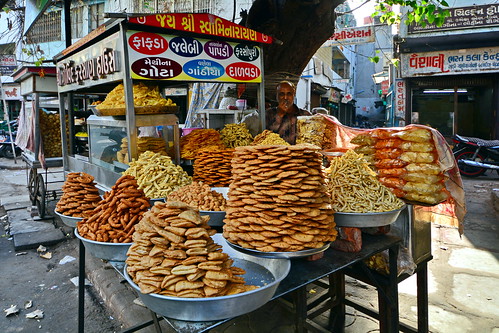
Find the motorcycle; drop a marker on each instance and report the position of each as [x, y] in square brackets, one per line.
[6, 144]
[475, 156]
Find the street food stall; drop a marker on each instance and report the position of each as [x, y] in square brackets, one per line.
[38, 133]
[155, 50]
[280, 220]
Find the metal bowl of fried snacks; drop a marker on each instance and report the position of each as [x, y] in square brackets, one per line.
[223, 190]
[265, 273]
[69, 221]
[365, 220]
[280, 255]
[103, 250]
[216, 217]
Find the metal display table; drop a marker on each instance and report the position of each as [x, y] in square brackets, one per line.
[302, 273]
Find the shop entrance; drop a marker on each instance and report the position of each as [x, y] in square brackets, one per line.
[457, 109]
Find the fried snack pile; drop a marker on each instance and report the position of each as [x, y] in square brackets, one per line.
[200, 196]
[198, 139]
[142, 96]
[213, 167]
[354, 187]
[236, 135]
[173, 255]
[50, 131]
[406, 161]
[157, 175]
[268, 138]
[115, 217]
[79, 197]
[278, 200]
[311, 130]
[144, 143]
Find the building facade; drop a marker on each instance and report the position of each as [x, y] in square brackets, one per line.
[448, 76]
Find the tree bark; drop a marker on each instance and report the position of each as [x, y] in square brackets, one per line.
[300, 26]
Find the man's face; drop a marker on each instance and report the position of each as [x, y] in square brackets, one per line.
[285, 97]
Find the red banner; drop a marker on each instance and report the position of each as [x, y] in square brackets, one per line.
[203, 23]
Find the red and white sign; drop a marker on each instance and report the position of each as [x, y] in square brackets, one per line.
[400, 94]
[385, 85]
[450, 62]
[12, 92]
[353, 36]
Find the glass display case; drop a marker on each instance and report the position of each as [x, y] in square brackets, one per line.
[104, 140]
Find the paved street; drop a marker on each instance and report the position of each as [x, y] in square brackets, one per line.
[463, 277]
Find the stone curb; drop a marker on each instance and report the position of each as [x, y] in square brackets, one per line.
[13, 166]
[495, 198]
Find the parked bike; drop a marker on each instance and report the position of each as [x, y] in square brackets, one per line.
[6, 144]
[475, 156]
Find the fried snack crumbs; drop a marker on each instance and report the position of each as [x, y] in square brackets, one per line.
[157, 175]
[212, 167]
[115, 217]
[268, 138]
[80, 196]
[174, 255]
[236, 135]
[198, 139]
[278, 199]
[200, 196]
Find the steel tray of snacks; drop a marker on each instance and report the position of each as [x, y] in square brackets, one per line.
[265, 273]
[279, 255]
[69, 221]
[121, 111]
[104, 250]
[216, 217]
[366, 220]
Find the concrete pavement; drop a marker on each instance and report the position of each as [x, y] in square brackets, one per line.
[463, 277]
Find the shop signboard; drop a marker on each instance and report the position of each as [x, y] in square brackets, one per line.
[93, 65]
[464, 18]
[348, 36]
[399, 96]
[450, 62]
[156, 56]
[12, 92]
[8, 64]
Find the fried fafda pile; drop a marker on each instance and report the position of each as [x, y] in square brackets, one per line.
[278, 200]
[213, 167]
[115, 217]
[80, 196]
[173, 254]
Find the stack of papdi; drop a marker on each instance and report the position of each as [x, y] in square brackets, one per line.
[197, 140]
[115, 217]
[212, 167]
[80, 196]
[406, 161]
[278, 200]
[200, 196]
[173, 254]
[157, 175]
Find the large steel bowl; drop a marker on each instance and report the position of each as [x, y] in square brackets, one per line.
[216, 217]
[69, 221]
[366, 220]
[266, 273]
[103, 250]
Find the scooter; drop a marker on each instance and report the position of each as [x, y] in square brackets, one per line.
[6, 144]
[475, 156]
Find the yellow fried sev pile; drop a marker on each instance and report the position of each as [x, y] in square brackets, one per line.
[199, 139]
[143, 95]
[157, 175]
[354, 187]
[236, 135]
[268, 138]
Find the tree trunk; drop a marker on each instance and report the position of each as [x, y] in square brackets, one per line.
[300, 26]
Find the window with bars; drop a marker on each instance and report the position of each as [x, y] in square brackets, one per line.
[96, 15]
[77, 22]
[184, 6]
[46, 29]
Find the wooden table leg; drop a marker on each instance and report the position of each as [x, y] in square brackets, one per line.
[422, 286]
[300, 301]
[338, 311]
